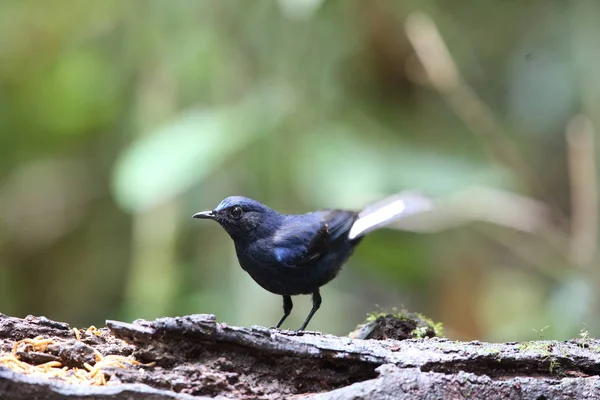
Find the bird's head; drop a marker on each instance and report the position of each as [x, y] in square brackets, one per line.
[240, 216]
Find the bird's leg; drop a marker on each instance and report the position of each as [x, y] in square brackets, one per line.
[316, 297]
[287, 309]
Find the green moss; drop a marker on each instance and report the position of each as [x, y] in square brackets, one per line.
[438, 327]
[420, 332]
[423, 323]
[540, 332]
[554, 366]
[543, 349]
[584, 335]
[374, 315]
[488, 351]
[585, 341]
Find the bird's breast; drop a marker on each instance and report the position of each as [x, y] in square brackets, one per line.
[295, 280]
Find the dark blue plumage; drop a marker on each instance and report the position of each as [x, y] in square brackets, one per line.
[296, 254]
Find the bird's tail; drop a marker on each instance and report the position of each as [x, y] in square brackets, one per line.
[389, 210]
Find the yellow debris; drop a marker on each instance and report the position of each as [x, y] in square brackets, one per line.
[37, 344]
[93, 330]
[90, 374]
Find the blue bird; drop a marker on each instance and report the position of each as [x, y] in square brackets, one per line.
[297, 254]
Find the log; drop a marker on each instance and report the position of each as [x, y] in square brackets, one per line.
[194, 357]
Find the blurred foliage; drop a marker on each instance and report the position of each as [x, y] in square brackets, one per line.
[121, 118]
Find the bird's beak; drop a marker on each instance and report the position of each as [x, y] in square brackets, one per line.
[205, 215]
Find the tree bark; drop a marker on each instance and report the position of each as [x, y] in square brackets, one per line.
[194, 356]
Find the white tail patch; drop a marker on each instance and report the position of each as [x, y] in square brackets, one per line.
[391, 209]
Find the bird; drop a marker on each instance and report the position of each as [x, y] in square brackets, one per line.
[296, 254]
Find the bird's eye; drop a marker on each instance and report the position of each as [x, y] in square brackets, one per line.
[236, 212]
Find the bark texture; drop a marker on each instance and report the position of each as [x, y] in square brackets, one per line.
[195, 357]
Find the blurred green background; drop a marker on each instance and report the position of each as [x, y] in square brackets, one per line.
[120, 119]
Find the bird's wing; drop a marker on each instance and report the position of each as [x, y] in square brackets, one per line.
[305, 238]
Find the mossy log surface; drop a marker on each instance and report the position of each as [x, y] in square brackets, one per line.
[194, 356]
